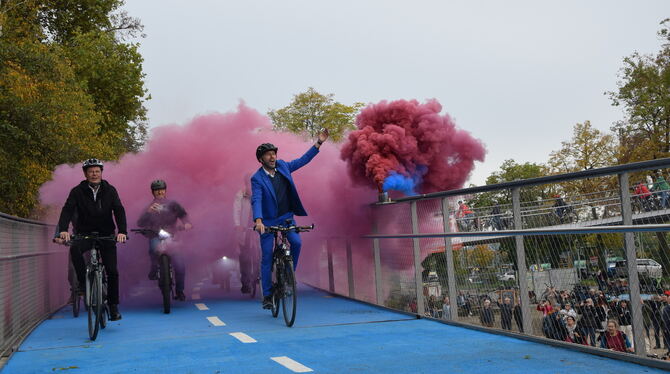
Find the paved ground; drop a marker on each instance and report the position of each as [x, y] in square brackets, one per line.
[331, 335]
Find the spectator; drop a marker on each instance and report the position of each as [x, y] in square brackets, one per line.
[643, 195]
[589, 321]
[655, 305]
[567, 311]
[466, 216]
[486, 314]
[560, 206]
[446, 308]
[432, 306]
[553, 327]
[661, 186]
[496, 223]
[614, 339]
[413, 306]
[624, 319]
[665, 321]
[545, 308]
[506, 311]
[574, 332]
[462, 303]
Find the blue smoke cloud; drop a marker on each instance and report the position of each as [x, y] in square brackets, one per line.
[405, 184]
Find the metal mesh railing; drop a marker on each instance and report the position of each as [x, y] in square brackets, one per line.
[33, 278]
[546, 257]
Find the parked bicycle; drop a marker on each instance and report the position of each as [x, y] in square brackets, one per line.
[283, 273]
[95, 297]
[166, 274]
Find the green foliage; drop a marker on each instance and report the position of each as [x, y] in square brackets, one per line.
[311, 111]
[510, 171]
[644, 93]
[69, 90]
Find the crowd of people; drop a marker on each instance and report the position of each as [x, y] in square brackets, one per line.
[581, 316]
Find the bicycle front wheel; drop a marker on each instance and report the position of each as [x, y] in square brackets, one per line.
[165, 282]
[276, 288]
[94, 297]
[289, 297]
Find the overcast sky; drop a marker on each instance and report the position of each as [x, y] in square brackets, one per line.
[516, 74]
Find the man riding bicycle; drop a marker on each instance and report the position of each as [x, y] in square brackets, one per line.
[97, 206]
[163, 214]
[274, 200]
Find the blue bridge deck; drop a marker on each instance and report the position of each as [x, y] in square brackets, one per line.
[331, 335]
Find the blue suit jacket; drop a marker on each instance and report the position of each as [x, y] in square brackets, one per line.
[263, 199]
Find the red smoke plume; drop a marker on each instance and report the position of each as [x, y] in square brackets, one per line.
[413, 140]
[205, 162]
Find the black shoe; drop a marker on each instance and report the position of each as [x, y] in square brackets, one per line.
[246, 288]
[267, 302]
[180, 296]
[114, 314]
[153, 274]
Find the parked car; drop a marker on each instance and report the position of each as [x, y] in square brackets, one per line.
[506, 276]
[645, 266]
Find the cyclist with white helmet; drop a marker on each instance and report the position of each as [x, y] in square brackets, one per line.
[97, 206]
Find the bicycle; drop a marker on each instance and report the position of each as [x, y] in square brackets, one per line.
[95, 299]
[166, 273]
[283, 273]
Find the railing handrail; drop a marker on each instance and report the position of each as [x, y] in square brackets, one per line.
[23, 220]
[609, 170]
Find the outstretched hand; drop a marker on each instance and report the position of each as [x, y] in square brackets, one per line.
[323, 135]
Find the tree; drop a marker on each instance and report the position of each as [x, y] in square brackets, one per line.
[311, 111]
[644, 93]
[588, 149]
[510, 171]
[70, 89]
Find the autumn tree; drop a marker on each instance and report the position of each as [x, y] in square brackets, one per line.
[311, 111]
[70, 89]
[644, 93]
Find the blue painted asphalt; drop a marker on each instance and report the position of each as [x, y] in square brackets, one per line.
[331, 335]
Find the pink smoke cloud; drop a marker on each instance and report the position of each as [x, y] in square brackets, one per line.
[411, 139]
[205, 163]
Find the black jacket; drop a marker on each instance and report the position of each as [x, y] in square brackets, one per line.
[94, 215]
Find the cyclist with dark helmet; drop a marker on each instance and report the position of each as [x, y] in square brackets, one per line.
[170, 216]
[274, 199]
[96, 206]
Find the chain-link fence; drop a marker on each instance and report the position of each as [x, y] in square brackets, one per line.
[33, 278]
[581, 258]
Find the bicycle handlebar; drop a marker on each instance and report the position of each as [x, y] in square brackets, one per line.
[93, 236]
[295, 228]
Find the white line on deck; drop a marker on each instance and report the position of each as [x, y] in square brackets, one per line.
[201, 306]
[215, 321]
[290, 364]
[244, 338]
[196, 296]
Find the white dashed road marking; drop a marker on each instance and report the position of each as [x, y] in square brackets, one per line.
[244, 338]
[215, 321]
[201, 306]
[290, 364]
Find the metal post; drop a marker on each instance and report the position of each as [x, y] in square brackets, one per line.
[350, 270]
[631, 265]
[418, 278]
[449, 256]
[331, 276]
[526, 317]
[378, 265]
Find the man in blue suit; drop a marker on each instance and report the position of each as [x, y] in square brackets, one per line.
[274, 199]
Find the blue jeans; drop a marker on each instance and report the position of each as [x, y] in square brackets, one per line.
[176, 260]
[267, 246]
[664, 199]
